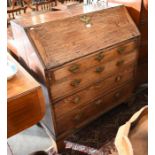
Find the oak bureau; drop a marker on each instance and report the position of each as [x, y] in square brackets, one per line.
[87, 60]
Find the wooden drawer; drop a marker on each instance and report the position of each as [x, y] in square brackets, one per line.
[85, 63]
[72, 84]
[79, 117]
[92, 92]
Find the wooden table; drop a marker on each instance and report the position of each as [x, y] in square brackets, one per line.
[25, 102]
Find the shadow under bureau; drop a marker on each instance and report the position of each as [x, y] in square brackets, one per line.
[87, 60]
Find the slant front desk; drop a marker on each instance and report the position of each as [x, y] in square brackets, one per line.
[87, 59]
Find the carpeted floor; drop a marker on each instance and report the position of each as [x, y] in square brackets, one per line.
[100, 133]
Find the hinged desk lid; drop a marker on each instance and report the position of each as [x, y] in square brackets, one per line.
[64, 40]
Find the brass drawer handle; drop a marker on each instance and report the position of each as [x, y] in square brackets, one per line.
[99, 57]
[98, 102]
[120, 63]
[99, 69]
[75, 82]
[121, 50]
[118, 78]
[78, 117]
[76, 100]
[74, 68]
[117, 95]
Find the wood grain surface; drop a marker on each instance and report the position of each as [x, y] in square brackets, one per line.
[64, 87]
[82, 98]
[25, 101]
[85, 63]
[109, 27]
[81, 116]
[89, 67]
[133, 6]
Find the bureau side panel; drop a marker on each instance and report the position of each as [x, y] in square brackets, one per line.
[27, 55]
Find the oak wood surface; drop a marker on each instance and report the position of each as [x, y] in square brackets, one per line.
[21, 83]
[90, 76]
[138, 10]
[54, 44]
[83, 64]
[25, 102]
[82, 98]
[133, 6]
[26, 52]
[40, 18]
[76, 118]
[56, 49]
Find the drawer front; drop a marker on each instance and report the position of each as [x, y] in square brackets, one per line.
[90, 61]
[89, 94]
[79, 117]
[73, 84]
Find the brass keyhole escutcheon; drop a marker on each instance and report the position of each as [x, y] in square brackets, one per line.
[98, 102]
[76, 100]
[86, 20]
[118, 78]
